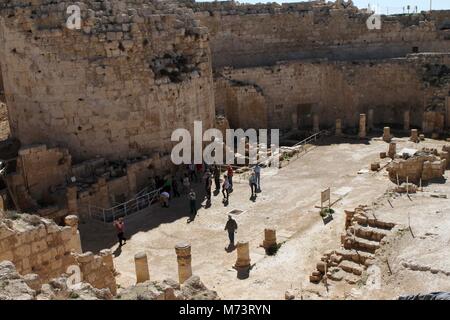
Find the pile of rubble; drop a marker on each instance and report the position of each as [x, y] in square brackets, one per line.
[191, 289]
[420, 166]
[363, 236]
[14, 286]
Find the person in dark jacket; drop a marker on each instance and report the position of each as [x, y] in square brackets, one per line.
[231, 227]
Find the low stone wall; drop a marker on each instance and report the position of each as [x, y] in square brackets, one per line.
[425, 166]
[14, 286]
[39, 246]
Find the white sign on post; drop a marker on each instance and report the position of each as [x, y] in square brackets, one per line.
[325, 196]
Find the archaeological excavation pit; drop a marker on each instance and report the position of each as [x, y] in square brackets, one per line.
[335, 114]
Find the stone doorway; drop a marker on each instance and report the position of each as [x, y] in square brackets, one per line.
[304, 116]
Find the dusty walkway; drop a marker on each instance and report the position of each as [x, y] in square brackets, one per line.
[287, 203]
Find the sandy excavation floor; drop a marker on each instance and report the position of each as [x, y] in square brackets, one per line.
[287, 203]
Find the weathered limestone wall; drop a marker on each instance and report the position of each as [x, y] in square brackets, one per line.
[117, 88]
[39, 246]
[41, 181]
[256, 35]
[43, 168]
[424, 166]
[243, 104]
[295, 91]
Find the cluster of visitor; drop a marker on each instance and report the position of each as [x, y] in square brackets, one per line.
[170, 187]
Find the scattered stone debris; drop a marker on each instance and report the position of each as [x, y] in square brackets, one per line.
[363, 236]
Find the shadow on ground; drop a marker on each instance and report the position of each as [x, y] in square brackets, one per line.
[141, 221]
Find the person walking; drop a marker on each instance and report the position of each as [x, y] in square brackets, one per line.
[231, 226]
[186, 183]
[257, 171]
[208, 185]
[192, 204]
[176, 193]
[191, 170]
[252, 183]
[217, 177]
[230, 173]
[167, 184]
[119, 224]
[225, 189]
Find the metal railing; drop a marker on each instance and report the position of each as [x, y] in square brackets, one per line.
[243, 172]
[124, 209]
[299, 147]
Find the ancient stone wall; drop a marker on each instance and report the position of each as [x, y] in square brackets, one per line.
[116, 88]
[424, 166]
[39, 246]
[44, 181]
[43, 168]
[257, 35]
[293, 92]
[243, 104]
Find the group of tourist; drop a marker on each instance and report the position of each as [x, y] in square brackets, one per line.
[170, 189]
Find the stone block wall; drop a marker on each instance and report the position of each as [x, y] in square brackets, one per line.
[424, 166]
[43, 168]
[39, 246]
[243, 104]
[96, 272]
[335, 90]
[117, 88]
[245, 35]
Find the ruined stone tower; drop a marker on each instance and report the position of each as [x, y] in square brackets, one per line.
[117, 87]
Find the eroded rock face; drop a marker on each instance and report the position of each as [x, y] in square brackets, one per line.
[13, 286]
[192, 289]
[57, 289]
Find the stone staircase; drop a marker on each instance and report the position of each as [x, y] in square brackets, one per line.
[362, 238]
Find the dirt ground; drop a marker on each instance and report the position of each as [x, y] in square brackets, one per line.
[288, 203]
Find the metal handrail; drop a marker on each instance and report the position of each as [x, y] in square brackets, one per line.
[124, 209]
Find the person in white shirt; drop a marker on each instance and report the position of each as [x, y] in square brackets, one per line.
[225, 188]
[164, 199]
[257, 171]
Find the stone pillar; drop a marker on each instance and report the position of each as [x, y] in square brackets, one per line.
[183, 251]
[75, 240]
[338, 127]
[362, 126]
[270, 238]
[316, 123]
[107, 258]
[243, 255]
[406, 120]
[141, 265]
[370, 119]
[387, 134]
[242, 265]
[71, 196]
[392, 150]
[414, 135]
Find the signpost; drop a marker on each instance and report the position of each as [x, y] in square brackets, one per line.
[325, 196]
